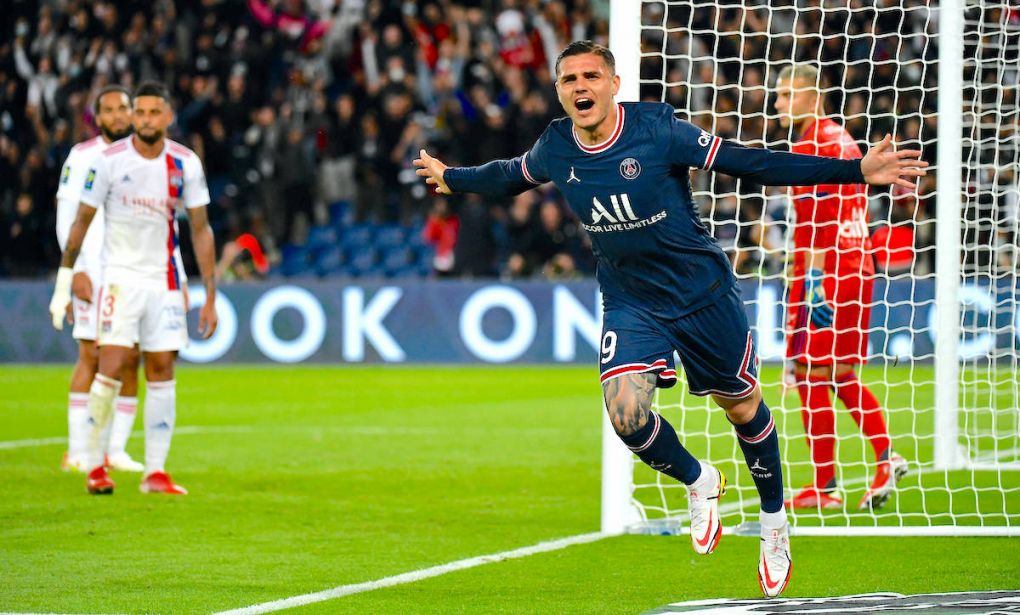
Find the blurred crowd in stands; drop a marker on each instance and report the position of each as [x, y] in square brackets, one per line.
[308, 113]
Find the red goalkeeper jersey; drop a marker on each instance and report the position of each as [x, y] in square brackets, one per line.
[831, 218]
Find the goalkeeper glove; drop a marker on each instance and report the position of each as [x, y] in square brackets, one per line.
[61, 297]
[821, 311]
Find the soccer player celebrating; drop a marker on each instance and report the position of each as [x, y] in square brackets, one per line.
[113, 118]
[666, 284]
[140, 182]
[830, 299]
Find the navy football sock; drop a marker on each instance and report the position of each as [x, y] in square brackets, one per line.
[760, 443]
[657, 445]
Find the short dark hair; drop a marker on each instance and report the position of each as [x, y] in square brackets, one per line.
[109, 90]
[152, 88]
[582, 47]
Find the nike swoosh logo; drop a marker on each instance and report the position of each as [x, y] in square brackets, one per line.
[708, 532]
[769, 583]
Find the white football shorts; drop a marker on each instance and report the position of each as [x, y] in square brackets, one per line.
[85, 314]
[150, 317]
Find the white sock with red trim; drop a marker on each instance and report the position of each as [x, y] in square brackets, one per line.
[707, 480]
[126, 408]
[772, 520]
[77, 424]
[160, 416]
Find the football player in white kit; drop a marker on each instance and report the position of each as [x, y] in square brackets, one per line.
[112, 109]
[140, 182]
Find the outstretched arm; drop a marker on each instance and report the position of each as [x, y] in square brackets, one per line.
[498, 178]
[880, 167]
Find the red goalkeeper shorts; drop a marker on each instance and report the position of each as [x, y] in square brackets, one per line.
[846, 341]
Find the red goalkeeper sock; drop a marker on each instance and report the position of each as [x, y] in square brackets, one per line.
[866, 411]
[820, 427]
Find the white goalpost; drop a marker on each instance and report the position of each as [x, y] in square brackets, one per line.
[945, 325]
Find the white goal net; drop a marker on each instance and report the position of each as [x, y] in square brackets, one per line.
[945, 323]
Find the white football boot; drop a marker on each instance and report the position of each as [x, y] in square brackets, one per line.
[703, 506]
[774, 563]
[123, 462]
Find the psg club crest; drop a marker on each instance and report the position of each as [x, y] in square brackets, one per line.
[630, 168]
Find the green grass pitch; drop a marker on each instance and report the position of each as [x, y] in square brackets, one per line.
[307, 478]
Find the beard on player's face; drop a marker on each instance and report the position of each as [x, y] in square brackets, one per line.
[151, 137]
[112, 133]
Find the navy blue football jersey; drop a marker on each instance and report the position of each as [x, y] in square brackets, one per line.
[632, 194]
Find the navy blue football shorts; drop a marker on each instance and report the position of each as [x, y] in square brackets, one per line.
[714, 345]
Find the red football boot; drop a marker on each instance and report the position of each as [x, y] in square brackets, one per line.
[160, 482]
[99, 482]
[811, 497]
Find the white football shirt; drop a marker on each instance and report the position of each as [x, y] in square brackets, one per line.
[140, 198]
[72, 179]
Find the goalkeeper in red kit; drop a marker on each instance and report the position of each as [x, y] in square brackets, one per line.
[829, 300]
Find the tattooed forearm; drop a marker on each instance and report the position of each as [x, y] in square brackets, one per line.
[629, 401]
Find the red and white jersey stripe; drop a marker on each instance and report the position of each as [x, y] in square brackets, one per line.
[638, 368]
[713, 151]
[527, 174]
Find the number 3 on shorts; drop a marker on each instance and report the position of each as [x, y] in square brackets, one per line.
[608, 346]
[108, 308]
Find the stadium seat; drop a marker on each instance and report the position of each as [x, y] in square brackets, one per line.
[362, 261]
[414, 236]
[425, 254]
[396, 261]
[320, 238]
[357, 236]
[390, 236]
[329, 261]
[294, 261]
[341, 214]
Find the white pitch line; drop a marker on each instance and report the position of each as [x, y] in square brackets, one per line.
[347, 430]
[196, 429]
[10, 444]
[415, 575]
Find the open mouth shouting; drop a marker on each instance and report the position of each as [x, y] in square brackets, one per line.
[583, 104]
